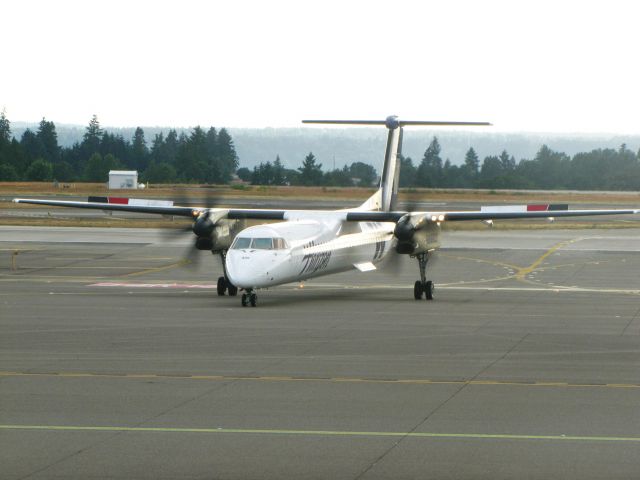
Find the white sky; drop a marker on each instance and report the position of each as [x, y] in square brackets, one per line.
[555, 66]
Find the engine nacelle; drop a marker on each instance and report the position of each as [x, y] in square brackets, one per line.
[412, 241]
[216, 237]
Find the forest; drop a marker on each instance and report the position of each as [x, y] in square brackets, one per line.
[209, 156]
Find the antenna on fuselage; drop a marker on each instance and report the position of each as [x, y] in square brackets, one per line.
[391, 169]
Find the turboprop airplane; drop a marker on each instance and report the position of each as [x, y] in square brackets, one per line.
[305, 244]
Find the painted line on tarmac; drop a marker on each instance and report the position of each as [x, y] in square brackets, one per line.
[453, 286]
[321, 433]
[284, 378]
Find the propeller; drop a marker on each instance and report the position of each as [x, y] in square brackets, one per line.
[203, 226]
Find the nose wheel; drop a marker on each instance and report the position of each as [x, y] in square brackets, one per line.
[249, 298]
[425, 289]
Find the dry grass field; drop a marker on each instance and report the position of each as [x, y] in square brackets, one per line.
[201, 193]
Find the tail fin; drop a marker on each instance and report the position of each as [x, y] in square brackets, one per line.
[386, 197]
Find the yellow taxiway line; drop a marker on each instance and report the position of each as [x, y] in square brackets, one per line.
[284, 378]
[321, 433]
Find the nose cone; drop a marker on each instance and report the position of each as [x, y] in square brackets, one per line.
[253, 268]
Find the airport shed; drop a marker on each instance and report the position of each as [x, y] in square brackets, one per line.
[121, 179]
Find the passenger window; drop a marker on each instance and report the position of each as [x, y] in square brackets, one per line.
[241, 243]
[262, 244]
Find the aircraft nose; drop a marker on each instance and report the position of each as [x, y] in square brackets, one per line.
[239, 268]
[253, 268]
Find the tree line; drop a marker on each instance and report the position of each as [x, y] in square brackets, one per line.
[599, 169]
[309, 174]
[209, 156]
[204, 156]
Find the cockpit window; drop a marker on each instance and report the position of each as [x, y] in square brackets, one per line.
[262, 243]
[279, 243]
[241, 243]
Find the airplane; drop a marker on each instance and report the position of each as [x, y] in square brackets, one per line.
[305, 244]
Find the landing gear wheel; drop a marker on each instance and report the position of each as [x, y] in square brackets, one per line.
[417, 290]
[428, 290]
[222, 286]
[253, 299]
[244, 300]
[233, 290]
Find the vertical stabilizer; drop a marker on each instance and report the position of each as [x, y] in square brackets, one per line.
[391, 169]
[386, 197]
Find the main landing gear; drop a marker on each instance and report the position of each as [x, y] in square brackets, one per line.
[423, 286]
[224, 284]
[249, 298]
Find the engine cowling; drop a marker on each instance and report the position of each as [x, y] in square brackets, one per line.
[214, 235]
[413, 239]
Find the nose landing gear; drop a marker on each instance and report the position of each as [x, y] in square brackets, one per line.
[249, 298]
[423, 286]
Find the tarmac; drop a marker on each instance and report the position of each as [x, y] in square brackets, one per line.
[119, 361]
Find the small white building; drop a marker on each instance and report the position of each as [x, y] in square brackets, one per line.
[119, 179]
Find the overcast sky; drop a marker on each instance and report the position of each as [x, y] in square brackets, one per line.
[552, 66]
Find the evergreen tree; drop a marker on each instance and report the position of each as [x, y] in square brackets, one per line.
[156, 148]
[310, 172]
[214, 164]
[490, 171]
[471, 163]
[48, 138]
[139, 151]
[279, 176]
[5, 130]
[508, 162]
[191, 160]
[430, 170]
[116, 145]
[170, 148]
[92, 137]
[408, 172]
[31, 145]
[227, 156]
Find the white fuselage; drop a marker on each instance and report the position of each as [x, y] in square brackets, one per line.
[297, 250]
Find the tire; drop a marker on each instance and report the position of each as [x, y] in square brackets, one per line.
[253, 299]
[417, 290]
[233, 290]
[222, 286]
[429, 287]
[244, 300]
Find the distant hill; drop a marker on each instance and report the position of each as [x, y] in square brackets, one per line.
[337, 146]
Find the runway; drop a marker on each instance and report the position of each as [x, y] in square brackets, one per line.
[117, 360]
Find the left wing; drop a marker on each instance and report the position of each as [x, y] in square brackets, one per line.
[192, 212]
[417, 218]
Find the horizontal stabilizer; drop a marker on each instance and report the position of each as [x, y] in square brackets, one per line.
[394, 122]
